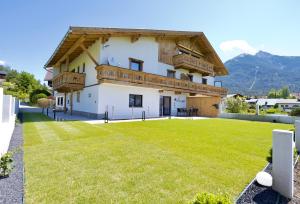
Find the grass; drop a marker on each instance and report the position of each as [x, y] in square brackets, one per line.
[141, 162]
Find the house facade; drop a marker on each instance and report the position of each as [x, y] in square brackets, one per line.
[130, 72]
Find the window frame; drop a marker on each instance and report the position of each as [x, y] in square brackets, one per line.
[171, 71]
[83, 67]
[140, 62]
[135, 105]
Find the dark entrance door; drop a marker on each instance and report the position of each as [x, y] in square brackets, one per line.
[166, 105]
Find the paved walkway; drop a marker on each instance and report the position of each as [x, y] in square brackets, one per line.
[11, 188]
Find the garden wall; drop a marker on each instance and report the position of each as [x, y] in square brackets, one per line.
[7, 120]
[262, 118]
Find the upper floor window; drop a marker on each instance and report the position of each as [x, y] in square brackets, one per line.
[204, 81]
[78, 69]
[136, 64]
[171, 73]
[135, 100]
[190, 77]
[83, 68]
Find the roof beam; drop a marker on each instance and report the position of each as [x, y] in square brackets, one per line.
[105, 38]
[89, 54]
[74, 46]
[135, 38]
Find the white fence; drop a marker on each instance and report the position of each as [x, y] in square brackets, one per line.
[262, 118]
[9, 106]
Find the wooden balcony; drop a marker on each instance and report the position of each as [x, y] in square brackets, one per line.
[117, 75]
[193, 64]
[68, 81]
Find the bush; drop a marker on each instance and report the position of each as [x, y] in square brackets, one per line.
[45, 103]
[295, 112]
[271, 111]
[36, 97]
[6, 164]
[209, 198]
[36, 92]
[236, 105]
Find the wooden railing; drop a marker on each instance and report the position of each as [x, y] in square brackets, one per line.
[186, 61]
[68, 81]
[112, 74]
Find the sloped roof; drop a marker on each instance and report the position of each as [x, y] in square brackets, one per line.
[91, 34]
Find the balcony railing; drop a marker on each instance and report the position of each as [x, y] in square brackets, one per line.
[68, 81]
[117, 75]
[194, 64]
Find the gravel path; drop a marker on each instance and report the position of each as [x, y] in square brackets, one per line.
[11, 188]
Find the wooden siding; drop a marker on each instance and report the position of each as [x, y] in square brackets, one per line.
[118, 75]
[68, 81]
[206, 105]
[193, 64]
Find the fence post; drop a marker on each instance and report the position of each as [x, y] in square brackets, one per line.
[283, 163]
[54, 114]
[143, 115]
[106, 117]
[297, 134]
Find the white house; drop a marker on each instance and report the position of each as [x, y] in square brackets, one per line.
[126, 72]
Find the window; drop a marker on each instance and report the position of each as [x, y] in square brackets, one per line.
[135, 100]
[78, 97]
[136, 64]
[204, 81]
[171, 73]
[78, 69]
[83, 68]
[60, 101]
[190, 76]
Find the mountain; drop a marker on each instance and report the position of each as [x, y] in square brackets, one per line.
[257, 74]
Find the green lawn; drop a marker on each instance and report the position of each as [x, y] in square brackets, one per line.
[141, 162]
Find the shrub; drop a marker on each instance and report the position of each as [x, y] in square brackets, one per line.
[38, 91]
[295, 112]
[36, 97]
[236, 105]
[209, 198]
[271, 111]
[6, 164]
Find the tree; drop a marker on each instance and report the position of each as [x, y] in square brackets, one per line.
[285, 92]
[236, 105]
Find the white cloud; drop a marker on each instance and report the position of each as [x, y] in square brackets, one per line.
[237, 46]
[2, 62]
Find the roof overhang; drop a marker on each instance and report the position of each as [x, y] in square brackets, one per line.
[88, 35]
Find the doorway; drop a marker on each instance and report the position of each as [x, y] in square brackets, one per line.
[165, 106]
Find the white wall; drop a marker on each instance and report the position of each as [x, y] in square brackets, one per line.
[7, 121]
[115, 100]
[91, 73]
[145, 49]
[89, 100]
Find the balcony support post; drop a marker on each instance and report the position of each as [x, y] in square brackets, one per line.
[65, 102]
[71, 103]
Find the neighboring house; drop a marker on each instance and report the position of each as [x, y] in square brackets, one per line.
[49, 76]
[288, 104]
[127, 71]
[284, 104]
[2, 76]
[237, 95]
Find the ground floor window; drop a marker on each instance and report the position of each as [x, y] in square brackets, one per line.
[60, 101]
[135, 100]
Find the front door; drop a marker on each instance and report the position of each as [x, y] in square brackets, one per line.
[166, 105]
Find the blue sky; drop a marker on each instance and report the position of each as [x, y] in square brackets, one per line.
[31, 29]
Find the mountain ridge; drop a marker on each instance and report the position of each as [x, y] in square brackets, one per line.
[257, 74]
